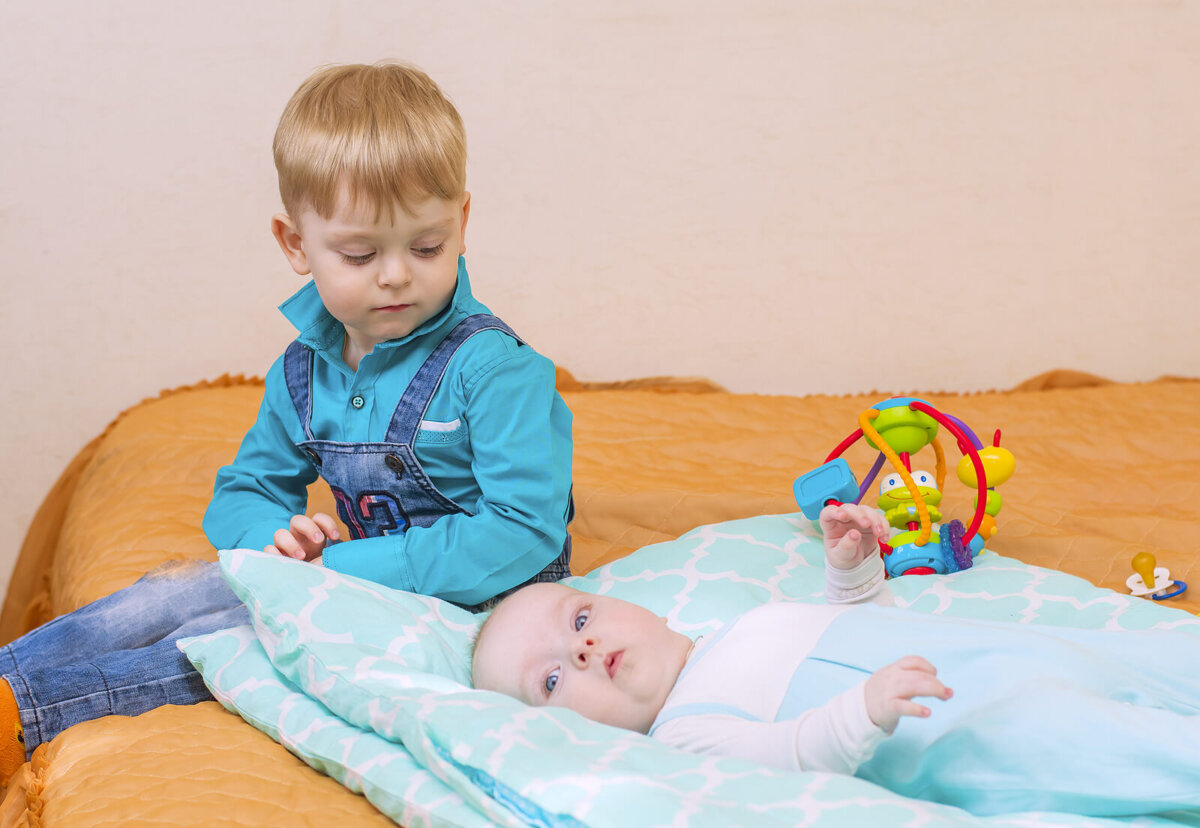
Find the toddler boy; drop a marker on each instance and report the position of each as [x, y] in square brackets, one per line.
[439, 430]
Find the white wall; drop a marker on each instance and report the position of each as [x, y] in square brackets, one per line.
[785, 197]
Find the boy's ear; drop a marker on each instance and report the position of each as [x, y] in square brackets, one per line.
[287, 234]
[466, 210]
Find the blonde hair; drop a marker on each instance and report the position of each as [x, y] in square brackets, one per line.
[384, 131]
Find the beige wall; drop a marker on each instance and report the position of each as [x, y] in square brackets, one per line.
[785, 197]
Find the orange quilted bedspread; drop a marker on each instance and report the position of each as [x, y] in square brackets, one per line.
[1104, 470]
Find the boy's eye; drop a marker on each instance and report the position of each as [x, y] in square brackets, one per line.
[429, 252]
[550, 683]
[357, 260]
[580, 620]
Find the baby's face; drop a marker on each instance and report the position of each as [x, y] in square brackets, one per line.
[609, 660]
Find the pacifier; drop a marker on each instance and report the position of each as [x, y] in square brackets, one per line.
[1151, 581]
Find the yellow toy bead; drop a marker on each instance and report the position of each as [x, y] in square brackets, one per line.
[998, 464]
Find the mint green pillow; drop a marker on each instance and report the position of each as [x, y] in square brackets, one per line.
[244, 681]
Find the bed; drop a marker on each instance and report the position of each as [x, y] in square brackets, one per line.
[1105, 470]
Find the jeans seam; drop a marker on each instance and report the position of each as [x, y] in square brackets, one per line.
[104, 681]
[108, 690]
[33, 707]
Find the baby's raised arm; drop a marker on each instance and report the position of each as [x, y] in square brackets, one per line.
[852, 533]
[853, 566]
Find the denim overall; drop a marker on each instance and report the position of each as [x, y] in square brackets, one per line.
[380, 488]
[1095, 722]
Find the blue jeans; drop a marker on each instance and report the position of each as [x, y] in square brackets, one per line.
[117, 655]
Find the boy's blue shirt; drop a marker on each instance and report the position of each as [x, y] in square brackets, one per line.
[498, 444]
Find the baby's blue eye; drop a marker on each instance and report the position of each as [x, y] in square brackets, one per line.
[551, 682]
[580, 620]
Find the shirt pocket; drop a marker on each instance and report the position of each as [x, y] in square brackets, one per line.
[435, 433]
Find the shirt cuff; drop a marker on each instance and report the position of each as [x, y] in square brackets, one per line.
[260, 535]
[854, 585]
[374, 559]
[861, 735]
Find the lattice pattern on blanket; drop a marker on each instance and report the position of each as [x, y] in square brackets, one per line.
[370, 686]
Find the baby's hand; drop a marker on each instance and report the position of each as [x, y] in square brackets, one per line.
[304, 539]
[890, 691]
[852, 534]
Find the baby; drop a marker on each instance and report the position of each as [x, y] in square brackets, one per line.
[1045, 718]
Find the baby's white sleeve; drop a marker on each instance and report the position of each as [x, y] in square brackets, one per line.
[836, 737]
[861, 585]
[839, 735]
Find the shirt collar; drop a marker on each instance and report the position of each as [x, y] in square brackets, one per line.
[321, 332]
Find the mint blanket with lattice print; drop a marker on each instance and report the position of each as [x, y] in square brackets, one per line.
[371, 686]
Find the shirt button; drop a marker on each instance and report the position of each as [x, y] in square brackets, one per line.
[357, 401]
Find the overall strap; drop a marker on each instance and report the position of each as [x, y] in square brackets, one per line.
[406, 420]
[297, 373]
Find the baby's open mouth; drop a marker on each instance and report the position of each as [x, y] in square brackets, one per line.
[612, 662]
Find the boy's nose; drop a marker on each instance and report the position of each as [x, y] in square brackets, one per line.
[393, 273]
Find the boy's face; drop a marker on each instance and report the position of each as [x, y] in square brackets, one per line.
[609, 660]
[381, 279]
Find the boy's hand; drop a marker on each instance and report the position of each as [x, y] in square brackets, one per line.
[852, 534]
[304, 539]
[890, 691]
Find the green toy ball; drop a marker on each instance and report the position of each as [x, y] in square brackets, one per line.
[905, 430]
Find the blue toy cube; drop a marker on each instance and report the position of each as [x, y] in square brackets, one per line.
[832, 481]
